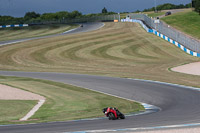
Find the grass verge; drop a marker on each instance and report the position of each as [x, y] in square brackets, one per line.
[14, 109]
[123, 15]
[153, 14]
[63, 102]
[187, 22]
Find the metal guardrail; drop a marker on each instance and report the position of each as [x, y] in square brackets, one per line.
[186, 40]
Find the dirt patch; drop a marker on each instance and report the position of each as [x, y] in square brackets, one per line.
[192, 68]
[10, 93]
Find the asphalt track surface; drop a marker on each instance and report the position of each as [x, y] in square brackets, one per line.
[86, 28]
[179, 105]
[172, 11]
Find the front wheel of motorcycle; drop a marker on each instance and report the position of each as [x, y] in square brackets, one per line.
[122, 116]
[111, 116]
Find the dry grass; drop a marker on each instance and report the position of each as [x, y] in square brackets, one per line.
[118, 49]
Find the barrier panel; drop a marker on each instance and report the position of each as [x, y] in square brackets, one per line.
[14, 25]
[138, 21]
[184, 39]
[157, 33]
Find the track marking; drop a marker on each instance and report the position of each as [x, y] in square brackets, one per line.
[138, 129]
[33, 110]
[171, 84]
[69, 30]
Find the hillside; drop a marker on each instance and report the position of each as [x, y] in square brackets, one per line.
[187, 22]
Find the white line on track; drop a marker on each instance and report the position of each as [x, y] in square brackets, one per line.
[69, 30]
[171, 84]
[14, 42]
[137, 129]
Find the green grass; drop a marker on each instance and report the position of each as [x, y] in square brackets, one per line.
[155, 14]
[33, 31]
[123, 15]
[187, 22]
[63, 102]
[150, 14]
[11, 110]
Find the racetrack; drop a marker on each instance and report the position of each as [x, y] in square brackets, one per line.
[179, 105]
[86, 28]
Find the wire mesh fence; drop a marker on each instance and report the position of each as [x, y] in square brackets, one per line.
[186, 40]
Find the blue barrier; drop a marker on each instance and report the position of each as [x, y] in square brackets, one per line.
[16, 25]
[162, 36]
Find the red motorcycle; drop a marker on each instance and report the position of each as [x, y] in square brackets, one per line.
[113, 113]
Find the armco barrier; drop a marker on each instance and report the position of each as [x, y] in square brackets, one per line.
[14, 25]
[196, 54]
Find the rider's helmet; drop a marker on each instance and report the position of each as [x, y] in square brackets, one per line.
[104, 110]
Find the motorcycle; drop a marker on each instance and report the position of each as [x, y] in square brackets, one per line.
[113, 113]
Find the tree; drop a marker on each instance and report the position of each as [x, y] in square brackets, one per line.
[168, 6]
[75, 14]
[197, 5]
[49, 16]
[199, 10]
[104, 10]
[189, 5]
[137, 11]
[62, 15]
[30, 15]
[193, 3]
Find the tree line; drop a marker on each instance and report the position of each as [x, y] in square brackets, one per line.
[168, 6]
[64, 15]
[196, 5]
[33, 16]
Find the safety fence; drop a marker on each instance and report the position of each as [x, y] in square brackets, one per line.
[138, 21]
[187, 41]
[14, 25]
[102, 18]
[171, 40]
